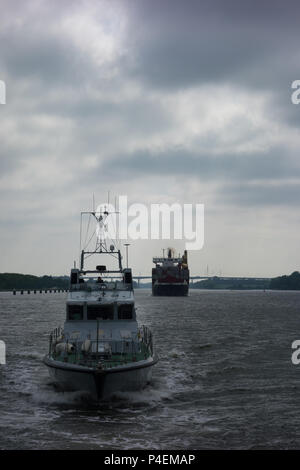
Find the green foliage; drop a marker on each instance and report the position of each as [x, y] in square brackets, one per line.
[10, 281]
[291, 282]
[232, 284]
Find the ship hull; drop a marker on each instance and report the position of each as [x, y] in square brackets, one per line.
[170, 289]
[100, 384]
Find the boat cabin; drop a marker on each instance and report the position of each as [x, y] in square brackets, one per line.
[104, 298]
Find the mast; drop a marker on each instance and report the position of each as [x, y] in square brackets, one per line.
[101, 242]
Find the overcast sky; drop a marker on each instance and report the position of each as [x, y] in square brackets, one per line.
[161, 100]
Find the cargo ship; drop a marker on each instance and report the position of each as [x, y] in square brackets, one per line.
[170, 275]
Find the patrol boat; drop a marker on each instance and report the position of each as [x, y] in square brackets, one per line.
[101, 348]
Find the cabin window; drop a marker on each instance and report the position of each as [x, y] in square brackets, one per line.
[125, 312]
[75, 312]
[103, 312]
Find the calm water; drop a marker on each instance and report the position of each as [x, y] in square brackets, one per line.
[224, 380]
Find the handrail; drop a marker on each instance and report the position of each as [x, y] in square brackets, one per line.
[126, 349]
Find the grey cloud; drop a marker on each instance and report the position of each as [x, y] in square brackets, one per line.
[259, 165]
[280, 194]
[7, 165]
[195, 59]
[133, 115]
[250, 45]
[64, 108]
[34, 45]
[43, 56]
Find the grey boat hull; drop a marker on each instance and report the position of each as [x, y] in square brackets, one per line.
[100, 384]
[175, 290]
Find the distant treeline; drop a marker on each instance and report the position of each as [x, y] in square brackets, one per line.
[10, 281]
[291, 282]
[236, 284]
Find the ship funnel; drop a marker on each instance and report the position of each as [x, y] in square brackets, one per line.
[184, 258]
